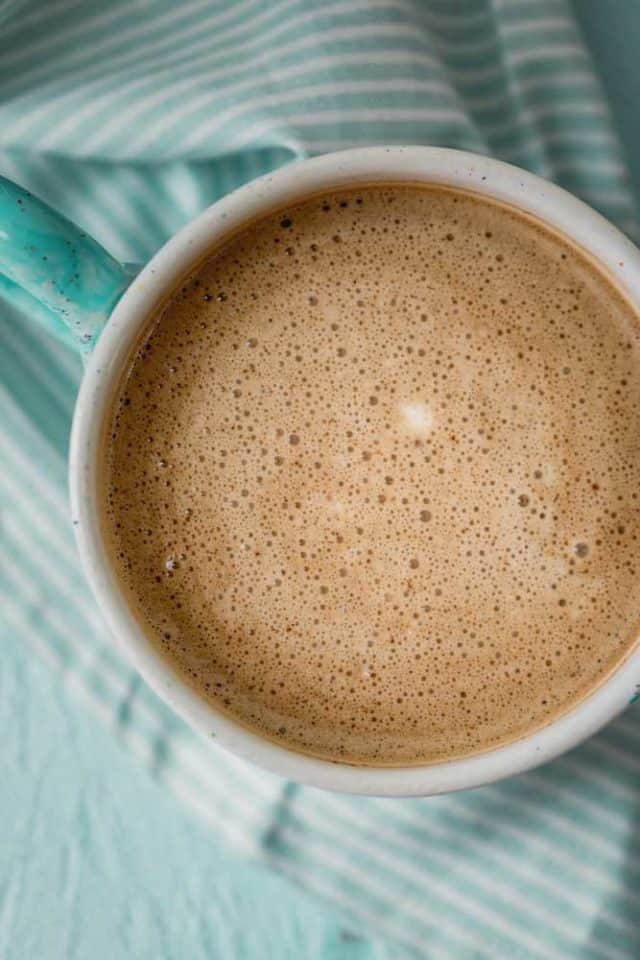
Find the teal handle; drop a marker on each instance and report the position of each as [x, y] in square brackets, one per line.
[53, 271]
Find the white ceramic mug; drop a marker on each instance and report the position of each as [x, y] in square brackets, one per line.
[587, 229]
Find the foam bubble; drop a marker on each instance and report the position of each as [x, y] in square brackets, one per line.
[417, 418]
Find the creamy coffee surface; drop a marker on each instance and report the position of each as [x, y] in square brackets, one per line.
[373, 480]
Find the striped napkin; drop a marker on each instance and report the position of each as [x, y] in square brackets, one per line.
[131, 117]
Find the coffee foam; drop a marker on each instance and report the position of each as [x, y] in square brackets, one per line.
[373, 477]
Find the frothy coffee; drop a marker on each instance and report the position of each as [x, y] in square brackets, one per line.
[373, 477]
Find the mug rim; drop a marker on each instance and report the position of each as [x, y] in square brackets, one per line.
[492, 178]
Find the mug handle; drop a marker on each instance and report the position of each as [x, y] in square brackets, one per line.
[54, 272]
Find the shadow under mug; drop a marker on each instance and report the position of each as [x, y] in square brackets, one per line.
[61, 277]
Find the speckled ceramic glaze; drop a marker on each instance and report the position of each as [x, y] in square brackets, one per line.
[71, 284]
[53, 270]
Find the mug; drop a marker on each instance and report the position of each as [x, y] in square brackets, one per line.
[60, 276]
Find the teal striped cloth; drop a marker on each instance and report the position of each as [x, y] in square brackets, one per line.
[132, 116]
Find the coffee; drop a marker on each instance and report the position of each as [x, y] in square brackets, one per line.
[373, 476]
